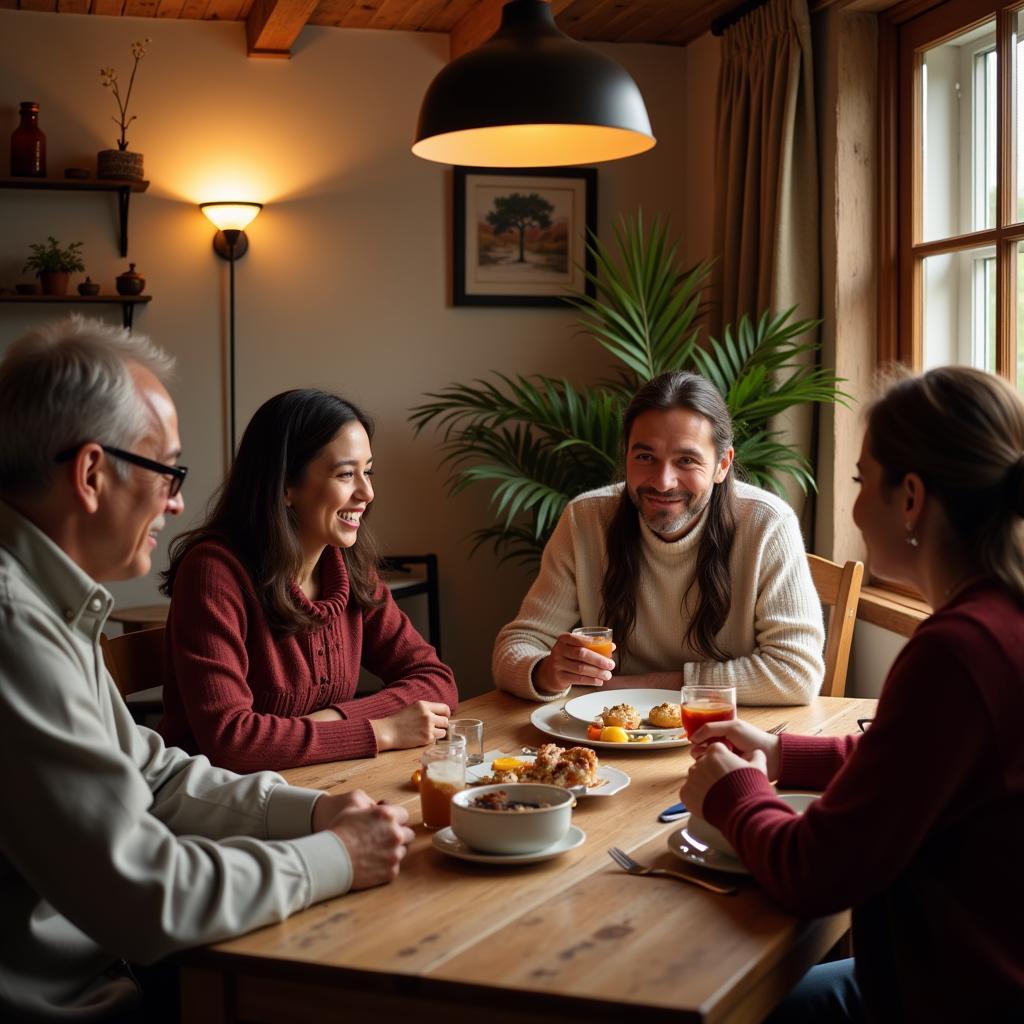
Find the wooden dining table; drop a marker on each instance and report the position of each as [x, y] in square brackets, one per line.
[573, 938]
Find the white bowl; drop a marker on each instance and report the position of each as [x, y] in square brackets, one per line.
[710, 836]
[513, 832]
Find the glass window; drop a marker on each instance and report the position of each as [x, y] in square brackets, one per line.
[961, 281]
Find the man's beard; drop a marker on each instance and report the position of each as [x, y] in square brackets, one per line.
[664, 522]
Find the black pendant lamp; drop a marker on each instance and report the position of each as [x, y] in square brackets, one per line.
[531, 97]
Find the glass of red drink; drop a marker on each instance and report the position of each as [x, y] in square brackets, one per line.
[702, 704]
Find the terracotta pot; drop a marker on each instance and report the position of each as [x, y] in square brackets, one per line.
[54, 282]
[118, 163]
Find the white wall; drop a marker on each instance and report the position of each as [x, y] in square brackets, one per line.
[346, 283]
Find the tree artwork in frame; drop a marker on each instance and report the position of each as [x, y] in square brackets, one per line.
[520, 235]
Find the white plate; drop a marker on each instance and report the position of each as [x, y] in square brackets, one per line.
[551, 719]
[701, 843]
[590, 705]
[686, 847]
[448, 842]
[613, 779]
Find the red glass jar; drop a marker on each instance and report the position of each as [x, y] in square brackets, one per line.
[28, 145]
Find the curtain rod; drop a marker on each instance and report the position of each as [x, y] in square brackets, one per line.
[725, 21]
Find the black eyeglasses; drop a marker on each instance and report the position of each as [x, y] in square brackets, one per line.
[176, 473]
[864, 724]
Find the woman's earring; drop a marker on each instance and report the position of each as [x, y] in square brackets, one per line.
[910, 538]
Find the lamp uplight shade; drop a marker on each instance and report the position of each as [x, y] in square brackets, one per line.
[231, 216]
[531, 97]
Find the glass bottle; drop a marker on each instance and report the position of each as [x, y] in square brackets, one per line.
[28, 144]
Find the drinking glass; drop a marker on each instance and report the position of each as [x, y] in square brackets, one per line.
[473, 730]
[444, 774]
[596, 638]
[703, 704]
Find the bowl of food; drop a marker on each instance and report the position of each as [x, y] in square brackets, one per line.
[707, 834]
[513, 817]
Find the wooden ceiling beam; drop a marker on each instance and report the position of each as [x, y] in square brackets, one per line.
[479, 24]
[273, 25]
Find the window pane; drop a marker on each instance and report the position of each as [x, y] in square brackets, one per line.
[1018, 113]
[960, 308]
[958, 121]
[1020, 315]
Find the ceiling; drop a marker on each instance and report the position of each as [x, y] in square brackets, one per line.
[273, 25]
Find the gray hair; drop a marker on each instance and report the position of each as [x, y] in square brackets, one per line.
[67, 383]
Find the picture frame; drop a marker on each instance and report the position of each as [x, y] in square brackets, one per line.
[519, 236]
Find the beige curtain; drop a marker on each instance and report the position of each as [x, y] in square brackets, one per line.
[766, 203]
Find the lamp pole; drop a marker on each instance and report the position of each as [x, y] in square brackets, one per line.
[230, 243]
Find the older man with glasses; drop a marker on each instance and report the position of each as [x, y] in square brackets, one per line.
[115, 848]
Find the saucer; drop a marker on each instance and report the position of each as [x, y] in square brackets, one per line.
[448, 842]
[688, 848]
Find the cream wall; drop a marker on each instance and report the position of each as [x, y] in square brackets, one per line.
[346, 283]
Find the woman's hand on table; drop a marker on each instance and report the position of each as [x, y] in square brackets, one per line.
[417, 725]
[571, 663]
[376, 838]
[716, 763]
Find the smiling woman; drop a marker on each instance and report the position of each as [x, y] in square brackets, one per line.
[276, 604]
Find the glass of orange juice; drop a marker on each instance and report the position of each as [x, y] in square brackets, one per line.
[703, 704]
[596, 638]
[444, 774]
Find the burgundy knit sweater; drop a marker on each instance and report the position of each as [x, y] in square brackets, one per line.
[237, 693]
[921, 827]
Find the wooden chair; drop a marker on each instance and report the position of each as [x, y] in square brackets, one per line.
[839, 587]
[135, 661]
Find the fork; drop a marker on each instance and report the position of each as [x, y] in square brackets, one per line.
[627, 863]
[775, 730]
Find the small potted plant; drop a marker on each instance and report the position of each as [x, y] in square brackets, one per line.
[52, 264]
[120, 163]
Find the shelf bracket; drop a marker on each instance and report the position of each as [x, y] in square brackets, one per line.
[127, 314]
[123, 195]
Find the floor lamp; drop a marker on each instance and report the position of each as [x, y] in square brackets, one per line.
[231, 243]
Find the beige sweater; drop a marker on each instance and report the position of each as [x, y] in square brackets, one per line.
[773, 631]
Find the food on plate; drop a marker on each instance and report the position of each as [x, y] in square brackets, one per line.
[499, 800]
[625, 716]
[594, 730]
[553, 766]
[665, 716]
[614, 734]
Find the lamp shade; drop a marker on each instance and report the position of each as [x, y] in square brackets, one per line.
[231, 216]
[531, 97]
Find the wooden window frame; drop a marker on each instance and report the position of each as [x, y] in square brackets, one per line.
[904, 31]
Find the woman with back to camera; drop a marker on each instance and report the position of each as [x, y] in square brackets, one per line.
[276, 602]
[921, 825]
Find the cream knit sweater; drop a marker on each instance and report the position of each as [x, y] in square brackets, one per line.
[773, 631]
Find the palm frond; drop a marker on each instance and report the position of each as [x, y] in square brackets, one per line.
[537, 441]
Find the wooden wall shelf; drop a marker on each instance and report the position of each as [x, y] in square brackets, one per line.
[126, 302]
[121, 187]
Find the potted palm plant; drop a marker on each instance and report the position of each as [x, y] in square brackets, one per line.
[52, 264]
[538, 442]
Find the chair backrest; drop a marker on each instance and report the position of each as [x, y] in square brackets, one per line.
[839, 587]
[135, 660]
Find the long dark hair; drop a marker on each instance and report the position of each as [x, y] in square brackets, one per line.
[249, 513]
[675, 390]
[962, 431]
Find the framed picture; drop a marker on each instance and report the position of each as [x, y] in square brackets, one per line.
[519, 235]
